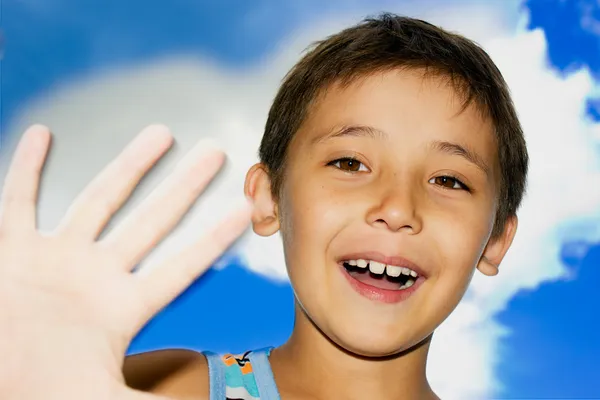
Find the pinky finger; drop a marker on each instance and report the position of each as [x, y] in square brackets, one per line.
[170, 278]
[20, 191]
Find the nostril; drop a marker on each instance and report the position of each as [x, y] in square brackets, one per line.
[381, 222]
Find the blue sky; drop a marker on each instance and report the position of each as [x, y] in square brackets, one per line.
[553, 349]
[557, 340]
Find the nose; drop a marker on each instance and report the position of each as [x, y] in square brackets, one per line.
[396, 209]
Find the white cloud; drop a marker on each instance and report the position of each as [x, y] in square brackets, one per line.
[94, 118]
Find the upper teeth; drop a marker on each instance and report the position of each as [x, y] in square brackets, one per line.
[378, 268]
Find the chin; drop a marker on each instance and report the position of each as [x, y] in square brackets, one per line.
[377, 345]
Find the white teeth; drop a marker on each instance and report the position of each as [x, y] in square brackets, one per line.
[376, 267]
[392, 270]
[408, 284]
[379, 268]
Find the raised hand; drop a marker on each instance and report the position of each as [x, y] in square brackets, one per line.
[69, 303]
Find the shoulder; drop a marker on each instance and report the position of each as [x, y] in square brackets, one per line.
[182, 374]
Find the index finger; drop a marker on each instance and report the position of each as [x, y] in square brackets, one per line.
[165, 282]
[20, 191]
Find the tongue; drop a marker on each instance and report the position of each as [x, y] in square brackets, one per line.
[381, 283]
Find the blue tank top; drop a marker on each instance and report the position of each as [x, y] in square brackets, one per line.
[241, 377]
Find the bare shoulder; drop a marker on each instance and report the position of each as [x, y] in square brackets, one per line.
[182, 374]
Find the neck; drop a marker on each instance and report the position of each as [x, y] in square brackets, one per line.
[312, 366]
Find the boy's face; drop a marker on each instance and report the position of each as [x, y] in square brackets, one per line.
[411, 195]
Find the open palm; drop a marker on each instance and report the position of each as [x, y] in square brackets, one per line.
[69, 303]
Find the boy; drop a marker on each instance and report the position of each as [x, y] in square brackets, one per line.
[393, 164]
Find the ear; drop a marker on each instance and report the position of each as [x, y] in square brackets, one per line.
[257, 188]
[497, 247]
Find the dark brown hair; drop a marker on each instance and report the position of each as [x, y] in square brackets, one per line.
[393, 42]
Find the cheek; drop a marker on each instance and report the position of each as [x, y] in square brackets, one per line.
[307, 223]
[460, 239]
[312, 211]
[310, 216]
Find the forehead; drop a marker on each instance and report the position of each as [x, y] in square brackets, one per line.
[410, 107]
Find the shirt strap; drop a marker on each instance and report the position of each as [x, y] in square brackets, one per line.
[263, 374]
[216, 374]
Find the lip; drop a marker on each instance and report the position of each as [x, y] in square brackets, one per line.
[378, 294]
[398, 261]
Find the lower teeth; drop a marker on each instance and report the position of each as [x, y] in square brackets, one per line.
[408, 284]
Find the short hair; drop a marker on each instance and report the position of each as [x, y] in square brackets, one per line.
[388, 42]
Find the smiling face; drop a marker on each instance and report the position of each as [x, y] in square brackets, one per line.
[390, 171]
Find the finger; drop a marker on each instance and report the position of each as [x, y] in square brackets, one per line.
[161, 284]
[21, 185]
[93, 208]
[166, 205]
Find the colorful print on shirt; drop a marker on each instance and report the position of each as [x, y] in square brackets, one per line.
[239, 377]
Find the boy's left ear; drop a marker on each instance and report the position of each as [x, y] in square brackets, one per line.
[496, 248]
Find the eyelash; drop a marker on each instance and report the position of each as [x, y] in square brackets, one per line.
[339, 160]
[456, 180]
[451, 177]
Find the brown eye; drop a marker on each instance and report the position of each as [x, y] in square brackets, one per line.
[449, 182]
[348, 164]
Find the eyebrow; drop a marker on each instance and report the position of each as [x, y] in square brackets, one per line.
[465, 152]
[438, 145]
[352, 130]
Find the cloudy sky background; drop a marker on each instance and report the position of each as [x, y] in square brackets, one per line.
[98, 71]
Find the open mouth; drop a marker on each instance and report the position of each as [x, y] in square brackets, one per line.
[377, 281]
[380, 275]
